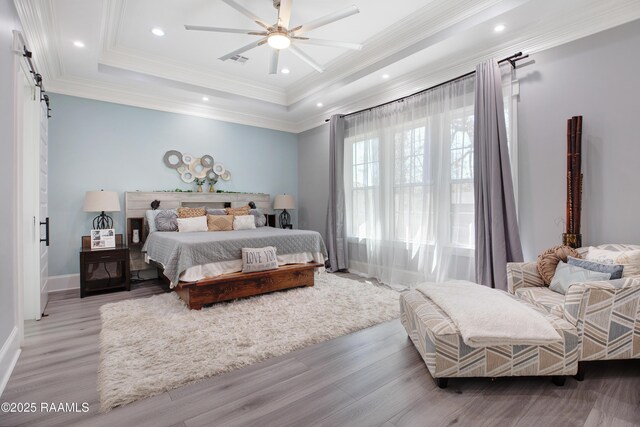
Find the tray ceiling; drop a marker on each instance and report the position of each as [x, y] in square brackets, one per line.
[415, 43]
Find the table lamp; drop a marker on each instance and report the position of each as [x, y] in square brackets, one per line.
[284, 202]
[102, 201]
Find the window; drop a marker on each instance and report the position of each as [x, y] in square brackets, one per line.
[411, 186]
[365, 172]
[415, 193]
[461, 183]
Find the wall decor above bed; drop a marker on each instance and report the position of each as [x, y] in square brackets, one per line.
[191, 168]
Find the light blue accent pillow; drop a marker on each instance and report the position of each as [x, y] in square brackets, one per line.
[614, 269]
[151, 219]
[566, 275]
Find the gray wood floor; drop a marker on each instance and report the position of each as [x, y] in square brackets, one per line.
[372, 377]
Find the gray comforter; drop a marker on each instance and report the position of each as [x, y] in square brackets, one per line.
[179, 251]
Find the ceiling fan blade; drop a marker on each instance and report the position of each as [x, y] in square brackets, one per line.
[284, 13]
[328, 19]
[247, 13]
[273, 61]
[243, 49]
[330, 43]
[306, 58]
[225, 30]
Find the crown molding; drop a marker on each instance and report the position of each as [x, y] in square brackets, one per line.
[40, 30]
[116, 55]
[41, 34]
[137, 97]
[425, 27]
[546, 37]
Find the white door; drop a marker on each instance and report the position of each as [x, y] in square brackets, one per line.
[44, 205]
[29, 217]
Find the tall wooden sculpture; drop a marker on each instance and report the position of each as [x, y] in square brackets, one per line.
[572, 237]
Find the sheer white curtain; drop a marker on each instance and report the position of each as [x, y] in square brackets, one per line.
[408, 170]
[409, 187]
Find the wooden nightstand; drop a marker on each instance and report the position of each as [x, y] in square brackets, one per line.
[104, 270]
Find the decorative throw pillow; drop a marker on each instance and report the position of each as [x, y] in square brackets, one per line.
[549, 259]
[629, 259]
[188, 225]
[191, 212]
[238, 211]
[614, 269]
[261, 220]
[566, 275]
[259, 259]
[167, 220]
[216, 211]
[244, 222]
[151, 219]
[220, 222]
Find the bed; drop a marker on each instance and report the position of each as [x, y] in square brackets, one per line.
[205, 267]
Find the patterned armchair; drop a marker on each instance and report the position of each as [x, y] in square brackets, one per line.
[606, 314]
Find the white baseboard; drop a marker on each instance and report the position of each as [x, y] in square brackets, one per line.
[63, 283]
[8, 358]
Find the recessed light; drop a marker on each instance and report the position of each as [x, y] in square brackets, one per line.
[78, 43]
[285, 71]
[158, 32]
[385, 76]
[499, 28]
[205, 99]
[319, 104]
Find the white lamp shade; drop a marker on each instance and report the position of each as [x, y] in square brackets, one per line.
[101, 201]
[284, 201]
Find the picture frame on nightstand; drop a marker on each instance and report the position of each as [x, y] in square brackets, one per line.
[103, 239]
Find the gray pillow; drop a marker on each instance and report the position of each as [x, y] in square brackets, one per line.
[614, 269]
[566, 275]
[261, 220]
[216, 212]
[167, 220]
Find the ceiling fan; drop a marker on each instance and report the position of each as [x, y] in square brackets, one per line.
[281, 36]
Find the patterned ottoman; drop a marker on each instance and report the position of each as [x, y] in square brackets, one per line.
[437, 339]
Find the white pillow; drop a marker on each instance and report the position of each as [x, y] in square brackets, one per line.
[198, 223]
[244, 222]
[629, 259]
[259, 259]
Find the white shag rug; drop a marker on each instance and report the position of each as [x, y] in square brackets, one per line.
[151, 345]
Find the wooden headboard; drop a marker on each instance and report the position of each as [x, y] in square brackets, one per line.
[138, 202]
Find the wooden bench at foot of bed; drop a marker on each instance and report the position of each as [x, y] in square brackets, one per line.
[239, 285]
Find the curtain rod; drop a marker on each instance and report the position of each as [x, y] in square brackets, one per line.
[511, 59]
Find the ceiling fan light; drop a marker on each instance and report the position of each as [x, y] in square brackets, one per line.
[278, 40]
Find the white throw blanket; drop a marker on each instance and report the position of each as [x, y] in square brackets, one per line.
[489, 317]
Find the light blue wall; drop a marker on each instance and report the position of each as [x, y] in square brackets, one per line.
[8, 284]
[97, 145]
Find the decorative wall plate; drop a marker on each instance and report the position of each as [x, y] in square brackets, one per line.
[212, 175]
[187, 159]
[196, 168]
[226, 176]
[187, 177]
[207, 161]
[219, 168]
[182, 169]
[173, 159]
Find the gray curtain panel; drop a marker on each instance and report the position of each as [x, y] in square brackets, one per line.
[336, 215]
[497, 235]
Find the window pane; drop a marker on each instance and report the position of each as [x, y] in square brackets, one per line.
[462, 214]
